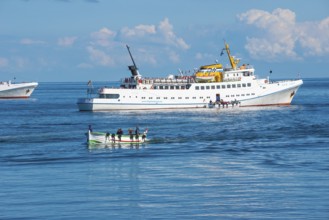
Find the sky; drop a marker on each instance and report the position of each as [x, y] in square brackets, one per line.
[81, 40]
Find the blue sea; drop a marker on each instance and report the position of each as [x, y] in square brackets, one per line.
[235, 163]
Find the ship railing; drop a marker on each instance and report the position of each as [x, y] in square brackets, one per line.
[232, 79]
[128, 81]
[165, 80]
[284, 81]
[91, 91]
[148, 81]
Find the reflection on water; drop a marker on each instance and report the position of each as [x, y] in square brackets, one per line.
[240, 163]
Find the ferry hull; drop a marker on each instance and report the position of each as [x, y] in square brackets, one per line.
[278, 93]
[17, 91]
[96, 104]
[280, 97]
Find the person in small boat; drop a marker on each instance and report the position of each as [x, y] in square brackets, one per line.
[119, 133]
[235, 102]
[130, 131]
[223, 103]
[90, 128]
[137, 133]
[113, 137]
[107, 136]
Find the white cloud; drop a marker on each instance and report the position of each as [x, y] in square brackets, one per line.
[147, 56]
[279, 37]
[21, 62]
[263, 19]
[174, 57]
[163, 34]
[103, 37]
[200, 56]
[84, 66]
[66, 41]
[27, 41]
[3, 62]
[313, 36]
[282, 34]
[138, 31]
[99, 57]
[166, 30]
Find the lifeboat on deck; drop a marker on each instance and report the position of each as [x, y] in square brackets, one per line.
[209, 73]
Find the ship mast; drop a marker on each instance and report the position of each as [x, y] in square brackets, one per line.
[234, 62]
[133, 68]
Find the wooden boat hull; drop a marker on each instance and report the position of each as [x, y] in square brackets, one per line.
[105, 138]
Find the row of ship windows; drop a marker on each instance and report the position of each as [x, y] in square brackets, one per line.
[201, 97]
[116, 96]
[172, 87]
[228, 86]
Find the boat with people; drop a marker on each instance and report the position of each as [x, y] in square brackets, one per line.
[10, 90]
[210, 83]
[223, 104]
[132, 137]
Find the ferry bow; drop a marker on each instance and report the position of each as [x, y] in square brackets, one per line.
[9, 90]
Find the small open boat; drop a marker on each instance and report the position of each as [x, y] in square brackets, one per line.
[223, 104]
[108, 138]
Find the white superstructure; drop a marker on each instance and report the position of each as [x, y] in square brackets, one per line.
[210, 84]
[9, 90]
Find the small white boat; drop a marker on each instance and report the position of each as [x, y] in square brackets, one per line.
[9, 90]
[108, 138]
[222, 104]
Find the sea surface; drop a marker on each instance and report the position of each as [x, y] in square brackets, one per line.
[240, 163]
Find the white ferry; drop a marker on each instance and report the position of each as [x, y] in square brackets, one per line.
[9, 90]
[211, 83]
